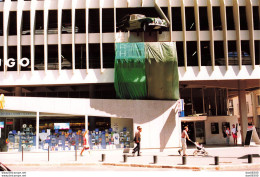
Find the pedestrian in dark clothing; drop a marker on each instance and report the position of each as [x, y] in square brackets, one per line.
[137, 140]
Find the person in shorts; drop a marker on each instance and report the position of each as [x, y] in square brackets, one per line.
[85, 143]
[234, 133]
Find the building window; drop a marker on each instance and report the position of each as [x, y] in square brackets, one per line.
[26, 53]
[26, 23]
[192, 59]
[1, 24]
[190, 19]
[66, 58]
[176, 19]
[107, 20]
[219, 53]
[216, 18]
[246, 58]
[256, 18]
[243, 20]
[205, 53]
[12, 53]
[204, 25]
[39, 57]
[257, 52]
[232, 53]
[108, 55]
[94, 56]
[93, 25]
[53, 20]
[66, 21]
[53, 62]
[230, 18]
[80, 56]
[39, 20]
[2, 58]
[12, 23]
[80, 20]
[179, 46]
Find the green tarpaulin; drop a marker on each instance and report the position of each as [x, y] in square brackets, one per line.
[146, 71]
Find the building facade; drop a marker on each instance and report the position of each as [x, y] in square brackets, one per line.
[57, 66]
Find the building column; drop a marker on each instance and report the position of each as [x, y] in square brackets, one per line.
[37, 130]
[18, 91]
[242, 109]
[86, 122]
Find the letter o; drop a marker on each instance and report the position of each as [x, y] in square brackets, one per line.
[27, 62]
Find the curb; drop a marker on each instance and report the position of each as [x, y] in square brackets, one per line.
[181, 167]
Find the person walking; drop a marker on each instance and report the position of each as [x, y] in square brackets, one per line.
[137, 140]
[228, 135]
[234, 134]
[85, 143]
[184, 136]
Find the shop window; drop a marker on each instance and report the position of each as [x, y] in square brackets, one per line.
[80, 20]
[256, 18]
[108, 55]
[192, 59]
[66, 22]
[219, 53]
[107, 20]
[94, 56]
[179, 46]
[93, 21]
[66, 58]
[53, 62]
[39, 57]
[1, 24]
[39, 18]
[12, 23]
[53, 22]
[80, 56]
[176, 19]
[230, 18]
[205, 53]
[243, 20]
[203, 17]
[26, 23]
[26, 53]
[216, 18]
[190, 19]
[1, 58]
[246, 58]
[257, 52]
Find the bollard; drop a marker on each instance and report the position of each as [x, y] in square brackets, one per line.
[103, 157]
[22, 153]
[216, 160]
[75, 153]
[155, 159]
[48, 153]
[184, 160]
[250, 158]
[125, 157]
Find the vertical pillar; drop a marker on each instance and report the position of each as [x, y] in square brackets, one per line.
[86, 122]
[37, 130]
[18, 91]
[242, 109]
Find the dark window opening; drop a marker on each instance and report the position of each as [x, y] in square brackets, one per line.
[230, 18]
[180, 53]
[204, 25]
[108, 55]
[246, 58]
[192, 59]
[219, 53]
[257, 52]
[39, 57]
[94, 21]
[12, 23]
[1, 24]
[2, 58]
[26, 23]
[232, 53]
[12, 53]
[53, 22]
[176, 19]
[216, 18]
[26, 53]
[66, 22]
[205, 53]
[66, 56]
[53, 62]
[190, 19]
[39, 18]
[80, 20]
[94, 56]
[256, 18]
[243, 20]
[102, 123]
[80, 56]
[107, 20]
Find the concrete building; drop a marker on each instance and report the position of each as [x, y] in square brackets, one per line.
[57, 66]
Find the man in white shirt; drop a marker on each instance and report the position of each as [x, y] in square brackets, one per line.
[234, 134]
[184, 136]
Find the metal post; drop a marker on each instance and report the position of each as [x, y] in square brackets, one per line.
[48, 153]
[22, 153]
[216, 160]
[154, 159]
[250, 158]
[103, 157]
[184, 161]
[75, 153]
[125, 157]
